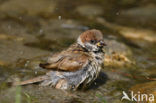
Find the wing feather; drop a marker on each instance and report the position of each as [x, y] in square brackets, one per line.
[66, 62]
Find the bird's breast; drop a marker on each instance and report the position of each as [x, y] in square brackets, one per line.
[95, 66]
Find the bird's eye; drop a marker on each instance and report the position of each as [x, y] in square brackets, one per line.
[92, 41]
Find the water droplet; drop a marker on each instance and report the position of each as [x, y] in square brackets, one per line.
[59, 17]
[117, 13]
[41, 31]
[36, 72]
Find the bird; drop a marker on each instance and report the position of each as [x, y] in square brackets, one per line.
[75, 67]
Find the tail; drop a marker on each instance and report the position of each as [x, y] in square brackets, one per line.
[31, 81]
[48, 65]
[44, 65]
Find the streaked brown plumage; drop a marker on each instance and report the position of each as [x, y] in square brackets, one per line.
[78, 65]
[69, 60]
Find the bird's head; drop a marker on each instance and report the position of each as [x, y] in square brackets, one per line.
[91, 40]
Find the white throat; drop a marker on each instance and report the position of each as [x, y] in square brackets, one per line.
[80, 42]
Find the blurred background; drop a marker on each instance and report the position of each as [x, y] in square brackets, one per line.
[30, 30]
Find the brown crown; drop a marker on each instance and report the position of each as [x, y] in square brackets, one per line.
[91, 35]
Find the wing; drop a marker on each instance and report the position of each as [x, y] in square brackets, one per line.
[74, 62]
[67, 62]
[52, 62]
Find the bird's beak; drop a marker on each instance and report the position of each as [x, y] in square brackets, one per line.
[101, 44]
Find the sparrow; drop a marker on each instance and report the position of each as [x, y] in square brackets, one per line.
[77, 66]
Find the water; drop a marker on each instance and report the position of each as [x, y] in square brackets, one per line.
[32, 30]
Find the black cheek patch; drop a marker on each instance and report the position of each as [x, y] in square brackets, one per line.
[88, 47]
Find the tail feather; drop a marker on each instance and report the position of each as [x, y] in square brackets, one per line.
[31, 81]
[48, 65]
[44, 65]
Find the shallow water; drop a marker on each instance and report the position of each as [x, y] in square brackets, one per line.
[32, 30]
